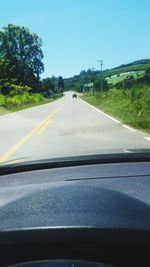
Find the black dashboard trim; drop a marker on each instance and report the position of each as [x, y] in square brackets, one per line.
[9, 168]
[75, 234]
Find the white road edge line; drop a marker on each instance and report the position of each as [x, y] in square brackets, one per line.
[115, 120]
[129, 128]
[147, 138]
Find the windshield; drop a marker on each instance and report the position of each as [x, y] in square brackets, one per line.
[74, 78]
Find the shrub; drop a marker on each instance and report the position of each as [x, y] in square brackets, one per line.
[19, 89]
[23, 100]
[132, 106]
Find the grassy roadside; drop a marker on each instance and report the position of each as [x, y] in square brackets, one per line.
[17, 103]
[132, 107]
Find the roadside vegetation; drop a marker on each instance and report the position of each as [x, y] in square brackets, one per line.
[23, 101]
[126, 96]
[130, 106]
[20, 69]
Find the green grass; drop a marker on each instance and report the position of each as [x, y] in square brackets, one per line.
[20, 102]
[132, 106]
[115, 80]
[3, 111]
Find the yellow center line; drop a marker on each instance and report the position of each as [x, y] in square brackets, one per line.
[44, 126]
[25, 138]
[46, 122]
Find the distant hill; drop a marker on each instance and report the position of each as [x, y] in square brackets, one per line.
[139, 65]
[90, 75]
[138, 62]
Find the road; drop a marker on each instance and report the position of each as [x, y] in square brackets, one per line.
[66, 127]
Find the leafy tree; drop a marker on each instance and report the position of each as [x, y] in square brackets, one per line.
[54, 85]
[97, 84]
[82, 72]
[61, 86]
[78, 87]
[147, 76]
[18, 89]
[127, 83]
[6, 70]
[23, 51]
[47, 87]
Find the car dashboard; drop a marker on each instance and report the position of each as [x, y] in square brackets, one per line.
[90, 215]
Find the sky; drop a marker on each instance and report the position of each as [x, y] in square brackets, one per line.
[77, 33]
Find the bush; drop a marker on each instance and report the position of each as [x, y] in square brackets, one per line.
[19, 89]
[2, 100]
[132, 106]
[23, 100]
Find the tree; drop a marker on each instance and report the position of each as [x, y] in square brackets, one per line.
[23, 50]
[97, 84]
[147, 76]
[47, 87]
[53, 80]
[6, 69]
[6, 76]
[61, 84]
[127, 83]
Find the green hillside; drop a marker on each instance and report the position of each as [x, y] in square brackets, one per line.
[117, 71]
[137, 62]
[89, 76]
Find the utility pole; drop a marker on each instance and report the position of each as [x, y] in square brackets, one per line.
[101, 65]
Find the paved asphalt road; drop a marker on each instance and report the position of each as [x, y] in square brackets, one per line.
[65, 127]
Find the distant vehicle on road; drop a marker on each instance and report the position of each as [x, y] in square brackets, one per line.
[74, 95]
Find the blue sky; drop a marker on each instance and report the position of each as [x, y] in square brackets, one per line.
[76, 33]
